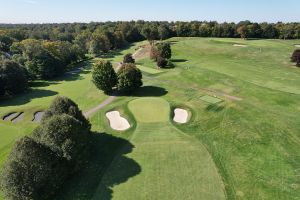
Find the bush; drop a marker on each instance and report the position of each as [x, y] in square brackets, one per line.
[104, 76]
[13, 77]
[129, 78]
[296, 57]
[161, 62]
[128, 58]
[154, 53]
[32, 171]
[64, 105]
[65, 136]
[164, 49]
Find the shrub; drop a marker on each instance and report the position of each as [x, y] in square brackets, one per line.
[64, 105]
[154, 53]
[164, 49]
[65, 136]
[128, 58]
[32, 171]
[296, 57]
[161, 62]
[129, 78]
[13, 77]
[104, 76]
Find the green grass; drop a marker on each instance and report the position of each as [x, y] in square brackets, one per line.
[249, 148]
[150, 110]
[210, 99]
[149, 70]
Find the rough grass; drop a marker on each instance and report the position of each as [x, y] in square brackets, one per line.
[210, 99]
[150, 110]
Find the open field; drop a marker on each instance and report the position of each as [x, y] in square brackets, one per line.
[244, 147]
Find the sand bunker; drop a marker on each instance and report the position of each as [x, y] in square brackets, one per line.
[117, 122]
[180, 116]
[10, 116]
[38, 116]
[297, 45]
[18, 118]
[239, 45]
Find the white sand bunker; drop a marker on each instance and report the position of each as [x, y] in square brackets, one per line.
[297, 45]
[117, 122]
[10, 116]
[239, 45]
[181, 116]
[38, 116]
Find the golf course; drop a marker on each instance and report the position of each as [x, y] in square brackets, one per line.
[240, 131]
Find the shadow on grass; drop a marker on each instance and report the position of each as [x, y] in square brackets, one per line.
[178, 60]
[108, 166]
[215, 108]
[27, 97]
[146, 91]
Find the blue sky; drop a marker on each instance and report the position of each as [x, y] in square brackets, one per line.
[45, 11]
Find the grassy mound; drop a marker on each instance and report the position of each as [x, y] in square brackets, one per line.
[150, 110]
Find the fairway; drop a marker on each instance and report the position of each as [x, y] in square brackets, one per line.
[150, 110]
[149, 70]
[173, 166]
[210, 99]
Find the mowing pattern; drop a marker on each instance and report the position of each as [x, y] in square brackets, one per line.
[173, 166]
[150, 110]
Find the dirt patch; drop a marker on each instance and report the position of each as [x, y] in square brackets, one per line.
[239, 45]
[142, 52]
[38, 116]
[181, 116]
[297, 45]
[117, 122]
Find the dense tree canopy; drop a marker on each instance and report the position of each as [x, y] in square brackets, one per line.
[129, 78]
[104, 76]
[296, 57]
[13, 78]
[128, 58]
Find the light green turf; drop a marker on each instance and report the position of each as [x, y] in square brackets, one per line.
[150, 109]
[164, 164]
[149, 70]
[210, 99]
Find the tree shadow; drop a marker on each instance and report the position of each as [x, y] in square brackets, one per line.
[27, 97]
[179, 60]
[107, 167]
[146, 91]
[215, 108]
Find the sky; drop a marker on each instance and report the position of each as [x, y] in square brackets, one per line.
[58, 11]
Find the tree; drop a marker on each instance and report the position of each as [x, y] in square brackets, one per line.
[128, 58]
[100, 43]
[154, 53]
[64, 105]
[13, 77]
[104, 76]
[163, 31]
[164, 49]
[32, 171]
[161, 62]
[129, 78]
[5, 43]
[243, 31]
[296, 57]
[66, 137]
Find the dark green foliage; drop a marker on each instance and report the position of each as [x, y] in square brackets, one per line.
[163, 31]
[64, 105]
[129, 78]
[164, 49]
[161, 62]
[65, 136]
[13, 77]
[5, 43]
[32, 172]
[104, 76]
[128, 58]
[296, 57]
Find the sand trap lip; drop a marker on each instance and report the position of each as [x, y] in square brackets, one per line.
[10, 116]
[297, 45]
[38, 116]
[116, 121]
[239, 45]
[181, 115]
[18, 118]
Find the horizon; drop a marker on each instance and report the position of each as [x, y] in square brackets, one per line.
[78, 11]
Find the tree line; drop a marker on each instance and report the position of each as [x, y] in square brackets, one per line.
[44, 51]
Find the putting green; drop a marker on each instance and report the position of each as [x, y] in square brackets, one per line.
[150, 110]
